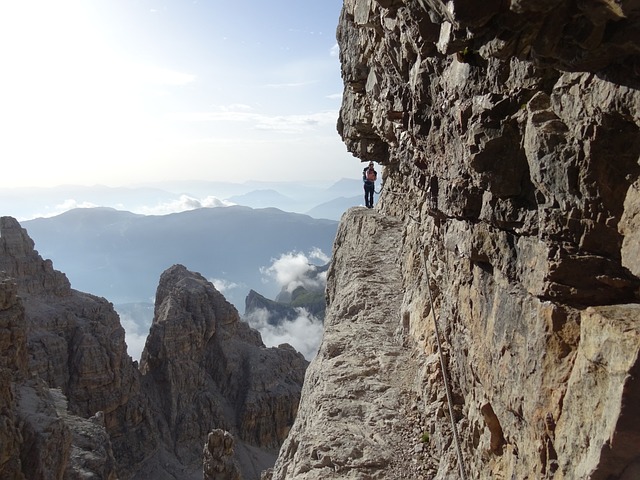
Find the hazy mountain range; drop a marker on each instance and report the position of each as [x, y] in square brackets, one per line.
[115, 242]
[120, 255]
[315, 199]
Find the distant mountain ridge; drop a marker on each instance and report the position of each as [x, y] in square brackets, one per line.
[120, 255]
[172, 197]
[335, 208]
[262, 197]
[280, 311]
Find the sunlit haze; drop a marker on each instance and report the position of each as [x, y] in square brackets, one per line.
[122, 92]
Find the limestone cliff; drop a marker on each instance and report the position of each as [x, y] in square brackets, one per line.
[41, 436]
[73, 404]
[204, 369]
[509, 136]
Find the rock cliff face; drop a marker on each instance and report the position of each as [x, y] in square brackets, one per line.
[509, 133]
[41, 436]
[206, 370]
[74, 405]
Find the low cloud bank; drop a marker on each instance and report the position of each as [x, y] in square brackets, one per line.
[69, 204]
[296, 269]
[182, 204]
[303, 333]
[290, 271]
[135, 335]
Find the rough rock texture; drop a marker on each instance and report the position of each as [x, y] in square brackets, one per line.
[62, 344]
[20, 261]
[74, 405]
[218, 461]
[13, 372]
[608, 362]
[75, 343]
[355, 414]
[91, 455]
[39, 437]
[206, 369]
[509, 135]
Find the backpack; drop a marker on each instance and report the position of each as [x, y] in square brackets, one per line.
[371, 175]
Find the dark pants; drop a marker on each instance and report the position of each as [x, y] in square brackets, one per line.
[368, 194]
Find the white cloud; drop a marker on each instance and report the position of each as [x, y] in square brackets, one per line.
[67, 205]
[292, 270]
[335, 50]
[223, 285]
[213, 116]
[318, 254]
[304, 333]
[182, 204]
[135, 336]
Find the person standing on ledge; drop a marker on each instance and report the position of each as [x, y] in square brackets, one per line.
[369, 177]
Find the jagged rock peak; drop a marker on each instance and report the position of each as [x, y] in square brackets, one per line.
[40, 437]
[192, 290]
[208, 370]
[188, 310]
[19, 260]
[218, 462]
[52, 336]
[277, 312]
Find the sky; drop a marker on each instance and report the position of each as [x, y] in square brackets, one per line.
[127, 92]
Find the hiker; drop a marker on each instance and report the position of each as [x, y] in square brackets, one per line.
[369, 177]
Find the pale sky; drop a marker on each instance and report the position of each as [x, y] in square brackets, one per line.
[120, 92]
